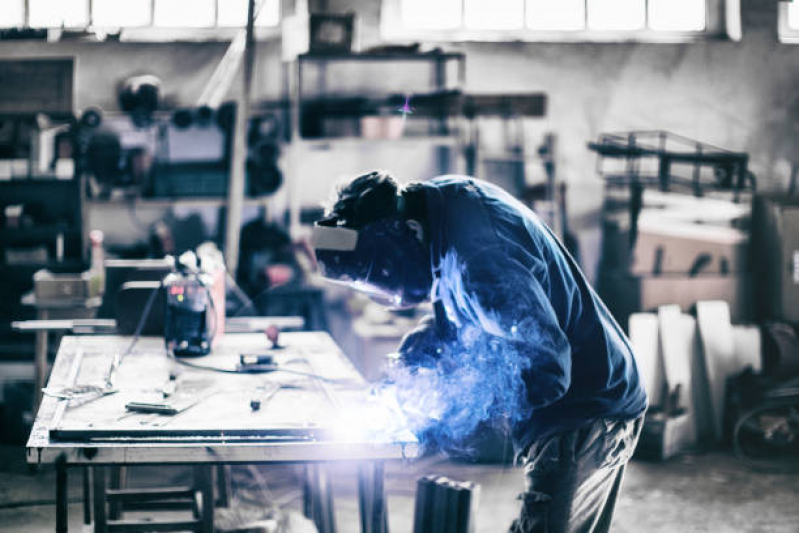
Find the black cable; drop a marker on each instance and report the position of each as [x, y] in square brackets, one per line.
[264, 368]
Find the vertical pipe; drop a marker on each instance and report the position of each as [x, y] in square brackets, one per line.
[423, 504]
[440, 510]
[239, 156]
[295, 97]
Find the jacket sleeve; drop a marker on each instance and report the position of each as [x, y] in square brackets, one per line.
[506, 300]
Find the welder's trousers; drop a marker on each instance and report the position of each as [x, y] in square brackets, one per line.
[572, 479]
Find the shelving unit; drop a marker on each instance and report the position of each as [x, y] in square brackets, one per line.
[56, 209]
[440, 136]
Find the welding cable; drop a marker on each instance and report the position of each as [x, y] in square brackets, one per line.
[265, 368]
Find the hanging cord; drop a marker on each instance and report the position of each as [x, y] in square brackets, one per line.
[109, 377]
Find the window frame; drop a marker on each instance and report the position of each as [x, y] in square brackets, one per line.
[153, 33]
[787, 35]
[717, 15]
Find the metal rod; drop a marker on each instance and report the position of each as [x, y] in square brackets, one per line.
[238, 159]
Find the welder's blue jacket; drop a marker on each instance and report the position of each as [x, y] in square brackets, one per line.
[501, 272]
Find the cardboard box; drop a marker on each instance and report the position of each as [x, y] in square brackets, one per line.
[665, 246]
[775, 239]
[625, 294]
[50, 286]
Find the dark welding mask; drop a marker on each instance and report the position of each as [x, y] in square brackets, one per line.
[384, 259]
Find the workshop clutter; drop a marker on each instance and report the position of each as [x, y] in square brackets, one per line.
[678, 250]
[686, 362]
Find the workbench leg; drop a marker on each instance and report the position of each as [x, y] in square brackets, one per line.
[116, 480]
[61, 495]
[363, 498]
[98, 482]
[87, 495]
[223, 485]
[379, 511]
[204, 479]
[326, 503]
[307, 492]
[40, 364]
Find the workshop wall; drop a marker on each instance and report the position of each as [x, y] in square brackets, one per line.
[184, 67]
[737, 95]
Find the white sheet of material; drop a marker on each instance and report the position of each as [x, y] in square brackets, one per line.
[718, 351]
[644, 337]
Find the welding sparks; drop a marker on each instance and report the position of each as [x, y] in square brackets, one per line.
[406, 109]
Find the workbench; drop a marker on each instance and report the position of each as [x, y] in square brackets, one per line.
[315, 408]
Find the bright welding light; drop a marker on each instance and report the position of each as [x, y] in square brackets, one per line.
[378, 419]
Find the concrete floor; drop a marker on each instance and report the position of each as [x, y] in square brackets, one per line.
[709, 492]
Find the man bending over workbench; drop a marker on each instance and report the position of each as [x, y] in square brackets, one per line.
[518, 334]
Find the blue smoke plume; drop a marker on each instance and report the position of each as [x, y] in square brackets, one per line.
[459, 383]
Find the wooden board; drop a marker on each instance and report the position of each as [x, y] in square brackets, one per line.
[720, 362]
[304, 420]
[645, 341]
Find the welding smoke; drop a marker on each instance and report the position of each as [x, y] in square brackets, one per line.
[467, 379]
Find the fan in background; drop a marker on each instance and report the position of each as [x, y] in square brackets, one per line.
[139, 97]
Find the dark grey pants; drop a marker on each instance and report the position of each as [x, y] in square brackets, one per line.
[572, 479]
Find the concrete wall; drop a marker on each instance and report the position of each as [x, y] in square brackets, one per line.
[184, 67]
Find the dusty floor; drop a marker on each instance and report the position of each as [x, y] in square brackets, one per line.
[709, 492]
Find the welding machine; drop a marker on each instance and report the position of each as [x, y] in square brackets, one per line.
[190, 318]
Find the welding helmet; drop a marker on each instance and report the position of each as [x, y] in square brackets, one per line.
[384, 259]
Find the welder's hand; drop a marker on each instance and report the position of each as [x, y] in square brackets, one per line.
[421, 346]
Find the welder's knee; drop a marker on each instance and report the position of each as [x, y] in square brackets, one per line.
[534, 517]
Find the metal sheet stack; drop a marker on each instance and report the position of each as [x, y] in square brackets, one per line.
[445, 506]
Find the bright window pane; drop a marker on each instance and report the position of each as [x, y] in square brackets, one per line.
[184, 13]
[556, 14]
[11, 14]
[616, 14]
[431, 14]
[234, 13]
[494, 14]
[793, 16]
[119, 14]
[677, 15]
[55, 13]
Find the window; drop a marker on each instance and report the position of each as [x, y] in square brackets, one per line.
[134, 13]
[789, 22]
[550, 19]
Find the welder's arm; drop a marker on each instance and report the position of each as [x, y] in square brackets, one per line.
[512, 305]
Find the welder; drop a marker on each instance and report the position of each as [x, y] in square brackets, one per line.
[506, 284]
